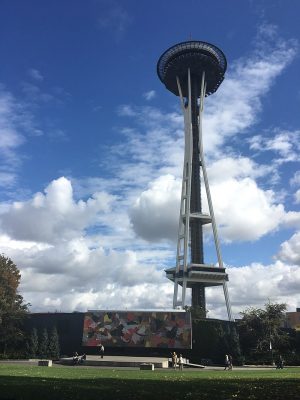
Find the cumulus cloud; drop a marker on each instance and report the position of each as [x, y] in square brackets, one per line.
[71, 275]
[290, 250]
[255, 285]
[237, 168]
[54, 215]
[155, 213]
[292, 219]
[244, 211]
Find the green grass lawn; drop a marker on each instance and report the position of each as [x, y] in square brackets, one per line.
[20, 382]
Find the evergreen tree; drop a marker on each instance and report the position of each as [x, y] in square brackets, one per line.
[44, 344]
[33, 344]
[54, 348]
[12, 308]
[234, 343]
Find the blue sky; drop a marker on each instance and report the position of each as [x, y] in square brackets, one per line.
[91, 150]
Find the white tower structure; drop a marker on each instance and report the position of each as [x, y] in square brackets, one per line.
[193, 70]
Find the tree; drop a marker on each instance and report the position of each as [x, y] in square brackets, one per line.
[53, 348]
[44, 344]
[260, 329]
[12, 307]
[33, 344]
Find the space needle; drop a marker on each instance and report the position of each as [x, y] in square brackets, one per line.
[194, 70]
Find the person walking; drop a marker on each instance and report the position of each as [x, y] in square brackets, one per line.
[230, 365]
[82, 359]
[75, 358]
[226, 362]
[101, 350]
[180, 362]
[174, 360]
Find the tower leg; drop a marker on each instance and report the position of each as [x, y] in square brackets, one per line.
[228, 305]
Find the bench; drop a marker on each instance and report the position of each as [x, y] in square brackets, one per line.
[146, 366]
[45, 363]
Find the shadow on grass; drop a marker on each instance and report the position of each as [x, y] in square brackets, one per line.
[25, 388]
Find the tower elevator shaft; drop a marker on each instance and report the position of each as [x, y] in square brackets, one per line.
[196, 230]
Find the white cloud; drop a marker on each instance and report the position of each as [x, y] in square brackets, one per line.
[113, 17]
[237, 168]
[290, 250]
[16, 122]
[285, 143]
[149, 95]
[35, 95]
[155, 213]
[71, 275]
[126, 110]
[297, 196]
[53, 216]
[35, 75]
[295, 180]
[292, 219]
[10, 138]
[244, 211]
[256, 284]
[237, 103]
[7, 179]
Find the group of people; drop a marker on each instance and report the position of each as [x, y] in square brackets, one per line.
[228, 362]
[77, 359]
[177, 361]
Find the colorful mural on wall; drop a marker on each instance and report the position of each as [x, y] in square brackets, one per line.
[137, 329]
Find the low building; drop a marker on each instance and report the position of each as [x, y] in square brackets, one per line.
[293, 320]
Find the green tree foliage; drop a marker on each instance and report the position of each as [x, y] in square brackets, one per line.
[12, 307]
[43, 351]
[33, 344]
[53, 348]
[259, 328]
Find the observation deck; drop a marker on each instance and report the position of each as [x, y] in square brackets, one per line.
[197, 56]
[209, 275]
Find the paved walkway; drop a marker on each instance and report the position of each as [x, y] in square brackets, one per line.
[143, 359]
